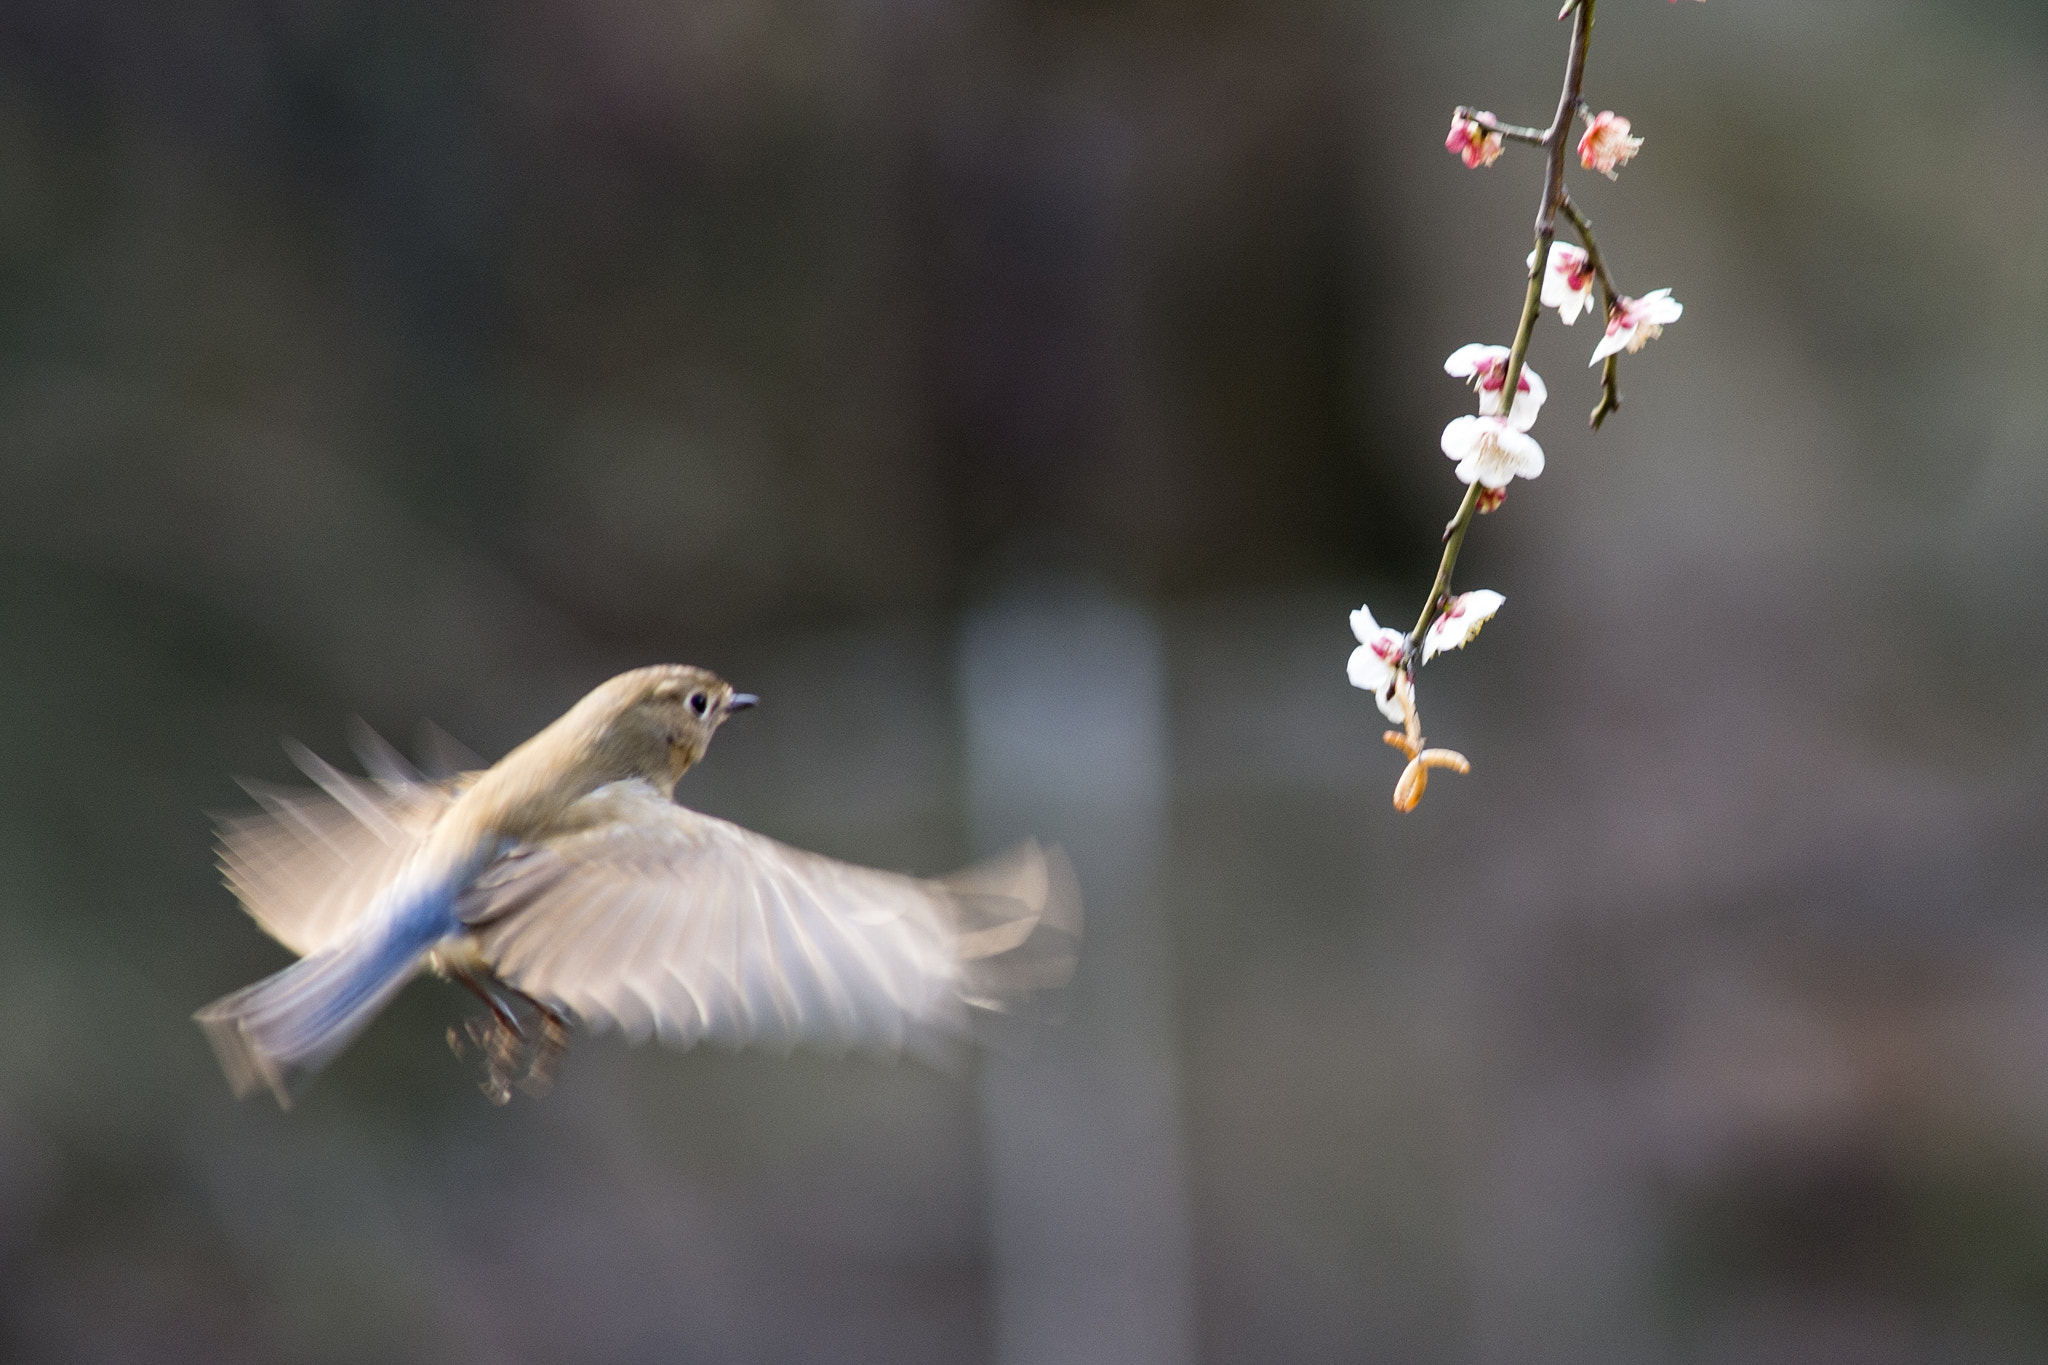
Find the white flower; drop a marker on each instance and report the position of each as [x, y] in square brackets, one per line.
[1376, 663]
[1636, 322]
[1487, 368]
[1491, 452]
[1460, 620]
[1567, 281]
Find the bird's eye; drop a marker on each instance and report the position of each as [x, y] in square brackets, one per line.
[699, 702]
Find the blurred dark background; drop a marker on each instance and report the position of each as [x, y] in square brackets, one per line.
[436, 360]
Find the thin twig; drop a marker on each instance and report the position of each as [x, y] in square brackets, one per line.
[1610, 392]
[1554, 139]
[1513, 132]
[1584, 228]
[1610, 372]
[1454, 537]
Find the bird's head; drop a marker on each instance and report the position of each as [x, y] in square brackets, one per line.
[655, 722]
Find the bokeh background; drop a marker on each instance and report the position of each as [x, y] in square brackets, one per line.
[987, 380]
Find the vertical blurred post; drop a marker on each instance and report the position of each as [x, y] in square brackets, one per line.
[1064, 714]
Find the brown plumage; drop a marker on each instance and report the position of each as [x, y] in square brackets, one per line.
[563, 883]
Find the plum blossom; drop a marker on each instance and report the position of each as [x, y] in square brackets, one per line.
[1459, 621]
[1567, 281]
[1490, 452]
[1474, 140]
[1606, 144]
[1490, 500]
[1636, 322]
[1487, 368]
[1377, 664]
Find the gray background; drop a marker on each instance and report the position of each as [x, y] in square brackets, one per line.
[436, 360]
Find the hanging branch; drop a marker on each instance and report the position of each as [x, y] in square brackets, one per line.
[1494, 448]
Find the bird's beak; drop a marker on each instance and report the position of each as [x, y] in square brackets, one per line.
[740, 701]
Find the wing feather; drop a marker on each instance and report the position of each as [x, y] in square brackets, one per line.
[650, 917]
[309, 862]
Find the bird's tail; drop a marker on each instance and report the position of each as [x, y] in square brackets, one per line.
[288, 1026]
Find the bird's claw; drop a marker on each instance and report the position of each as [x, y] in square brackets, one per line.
[545, 1056]
[512, 1057]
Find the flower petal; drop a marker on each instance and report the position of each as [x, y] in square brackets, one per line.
[1460, 620]
[1528, 401]
[1659, 307]
[1490, 451]
[1567, 282]
[1367, 671]
[1376, 662]
[1474, 140]
[1486, 368]
[1636, 321]
[1472, 357]
[1461, 435]
[1564, 259]
[1363, 626]
[1606, 143]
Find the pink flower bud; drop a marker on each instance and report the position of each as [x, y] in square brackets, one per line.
[1474, 141]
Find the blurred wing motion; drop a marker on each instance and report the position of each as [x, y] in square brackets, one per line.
[644, 914]
[307, 865]
[658, 919]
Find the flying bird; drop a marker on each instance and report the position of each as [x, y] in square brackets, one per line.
[564, 885]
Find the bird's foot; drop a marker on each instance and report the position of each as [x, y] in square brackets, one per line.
[501, 1046]
[526, 1059]
[545, 1055]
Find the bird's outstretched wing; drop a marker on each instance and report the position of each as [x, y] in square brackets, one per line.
[307, 864]
[658, 919]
